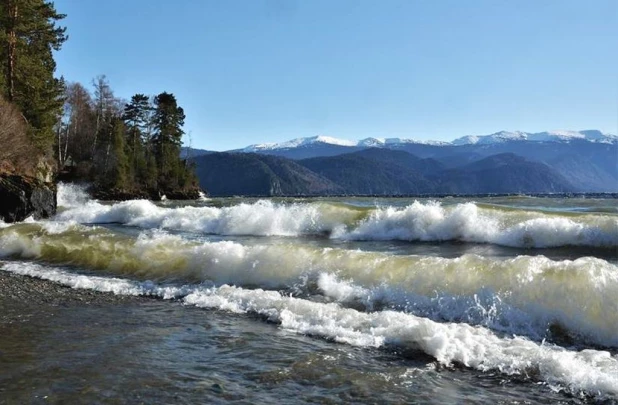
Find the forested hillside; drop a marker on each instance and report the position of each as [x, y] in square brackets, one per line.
[31, 98]
[250, 174]
[50, 126]
[127, 149]
[372, 172]
[503, 173]
[587, 158]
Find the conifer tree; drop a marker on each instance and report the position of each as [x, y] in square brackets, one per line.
[119, 165]
[28, 36]
[168, 120]
[137, 116]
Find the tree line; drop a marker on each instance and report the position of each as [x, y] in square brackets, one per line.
[131, 146]
[28, 36]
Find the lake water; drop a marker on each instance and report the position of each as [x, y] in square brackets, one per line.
[367, 300]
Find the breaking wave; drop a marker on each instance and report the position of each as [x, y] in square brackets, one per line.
[529, 295]
[466, 222]
[506, 314]
[594, 372]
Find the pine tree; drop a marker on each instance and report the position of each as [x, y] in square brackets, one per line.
[137, 118]
[28, 36]
[119, 164]
[168, 120]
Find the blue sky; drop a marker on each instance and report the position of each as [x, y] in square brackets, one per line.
[253, 71]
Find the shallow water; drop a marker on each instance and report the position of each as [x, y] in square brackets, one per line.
[315, 300]
[94, 349]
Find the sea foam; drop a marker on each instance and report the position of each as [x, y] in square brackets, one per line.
[469, 223]
[523, 295]
[431, 221]
[594, 372]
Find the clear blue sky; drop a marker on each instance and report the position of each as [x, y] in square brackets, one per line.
[253, 71]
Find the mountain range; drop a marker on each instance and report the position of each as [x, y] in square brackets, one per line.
[393, 143]
[503, 162]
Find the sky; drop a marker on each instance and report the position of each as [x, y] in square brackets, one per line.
[256, 71]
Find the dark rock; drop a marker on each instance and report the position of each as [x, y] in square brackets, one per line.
[190, 194]
[22, 197]
[120, 195]
[105, 194]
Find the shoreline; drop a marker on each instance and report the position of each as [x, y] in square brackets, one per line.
[20, 294]
[607, 196]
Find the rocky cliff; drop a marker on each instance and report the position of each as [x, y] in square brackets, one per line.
[22, 197]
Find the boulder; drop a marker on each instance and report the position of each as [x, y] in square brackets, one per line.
[22, 197]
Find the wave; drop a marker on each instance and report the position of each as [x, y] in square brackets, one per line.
[262, 218]
[526, 295]
[430, 222]
[594, 372]
[72, 195]
[468, 223]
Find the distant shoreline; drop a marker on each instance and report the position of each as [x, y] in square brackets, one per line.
[608, 196]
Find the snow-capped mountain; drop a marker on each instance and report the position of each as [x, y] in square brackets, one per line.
[328, 140]
[498, 137]
[586, 159]
[592, 135]
[298, 142]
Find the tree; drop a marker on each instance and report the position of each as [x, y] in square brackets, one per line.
[137, 114]
[76, 129]
[137, 117]
[168, 120]
[133, 148]
[104, 108]
[28, 37]
[118, 166]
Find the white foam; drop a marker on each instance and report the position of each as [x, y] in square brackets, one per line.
[102, 284]
[551, 232]
[522, 295]
[423, 222]
[72, 195]
[263, 218]
[467, 222]
[592, 371]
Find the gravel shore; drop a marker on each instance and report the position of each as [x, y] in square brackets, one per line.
[23, 296]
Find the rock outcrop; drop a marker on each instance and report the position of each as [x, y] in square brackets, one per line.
[22, 197]
[146, 194]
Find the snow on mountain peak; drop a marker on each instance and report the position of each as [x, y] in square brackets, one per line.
[548, 136]
[330, 140]
[370, 142]
[502, 136]
[498, 137]
[295, 143]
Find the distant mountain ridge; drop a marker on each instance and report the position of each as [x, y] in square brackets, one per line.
[502, 136]
[372, 171]
[553, 161]
[250, 174]
[588, 159]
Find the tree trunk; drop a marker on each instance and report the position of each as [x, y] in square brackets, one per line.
[58, 133]
[94, 143]
[66, 145]
[12, 46]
